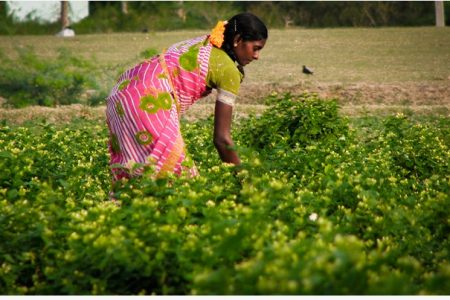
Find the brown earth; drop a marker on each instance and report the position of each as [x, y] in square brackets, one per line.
[355, 99]
[418, 94]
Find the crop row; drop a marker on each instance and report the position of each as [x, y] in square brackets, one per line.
[321, 205]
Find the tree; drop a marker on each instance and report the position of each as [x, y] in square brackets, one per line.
[124, 7]
[181, 12]
[96, 7]
[439, 11]
[65, 14]
[3, 9]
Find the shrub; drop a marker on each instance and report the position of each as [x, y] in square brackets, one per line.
[33, 80]
[148, 53]
[291, 120]
[417, 150]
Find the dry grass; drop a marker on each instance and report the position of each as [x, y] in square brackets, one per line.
[367, 70]
[381, 55]
[72, 113]
[63, 114]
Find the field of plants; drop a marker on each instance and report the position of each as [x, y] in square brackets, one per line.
[322, 205]
[344, 187]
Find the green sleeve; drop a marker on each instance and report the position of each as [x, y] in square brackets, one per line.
[223, 74]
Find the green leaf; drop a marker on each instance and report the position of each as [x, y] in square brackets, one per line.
[6, 154]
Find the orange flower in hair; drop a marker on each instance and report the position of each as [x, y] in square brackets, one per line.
[216, 37]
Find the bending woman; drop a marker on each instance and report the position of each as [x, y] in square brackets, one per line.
[144, 107]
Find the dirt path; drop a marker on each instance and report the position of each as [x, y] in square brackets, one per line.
[354, 99]
[432, 93]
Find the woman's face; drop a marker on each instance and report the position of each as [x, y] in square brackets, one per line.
[247, 51]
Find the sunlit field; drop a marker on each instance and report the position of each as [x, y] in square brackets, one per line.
[368, 69]
[343, 190]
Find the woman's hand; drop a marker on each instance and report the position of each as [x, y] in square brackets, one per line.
[222, 133]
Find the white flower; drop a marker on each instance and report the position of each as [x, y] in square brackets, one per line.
[313, 217]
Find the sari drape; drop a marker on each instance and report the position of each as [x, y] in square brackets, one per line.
[144, 108]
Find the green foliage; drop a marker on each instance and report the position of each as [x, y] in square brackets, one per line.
[302, 120]
[149, 53]
[106, 16]
[417, 150]
[31, 25]
[107, 19]
[346, 210]
[33, 80]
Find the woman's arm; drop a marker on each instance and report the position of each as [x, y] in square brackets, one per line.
[222, 133]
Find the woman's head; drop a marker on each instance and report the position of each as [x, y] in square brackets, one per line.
[245, 35]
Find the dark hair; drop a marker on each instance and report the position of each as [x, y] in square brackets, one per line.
[248, 26]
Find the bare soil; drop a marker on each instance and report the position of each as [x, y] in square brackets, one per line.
[354, 99]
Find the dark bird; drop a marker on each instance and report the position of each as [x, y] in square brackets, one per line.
[307, 71]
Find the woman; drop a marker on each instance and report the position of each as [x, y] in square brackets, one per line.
[144, 108]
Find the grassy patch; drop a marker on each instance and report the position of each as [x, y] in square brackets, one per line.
[360, 66]
[338, 55]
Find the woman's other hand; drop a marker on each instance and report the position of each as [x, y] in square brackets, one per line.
[222, 133]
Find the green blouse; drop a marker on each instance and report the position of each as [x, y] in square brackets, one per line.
[224, 76]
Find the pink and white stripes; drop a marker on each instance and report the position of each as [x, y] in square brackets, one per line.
[142, 113]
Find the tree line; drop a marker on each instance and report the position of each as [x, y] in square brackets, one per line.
[123, 16]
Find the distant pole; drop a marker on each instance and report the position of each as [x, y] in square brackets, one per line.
[439, 10]
[181, 12]
[125, 7]
[64, 14]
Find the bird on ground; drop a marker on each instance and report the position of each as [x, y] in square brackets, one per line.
[307, 70]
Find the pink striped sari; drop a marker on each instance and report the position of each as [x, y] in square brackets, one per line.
[144, 107]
